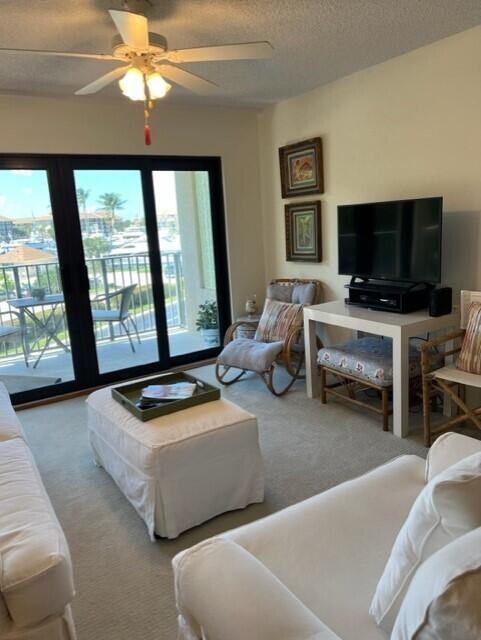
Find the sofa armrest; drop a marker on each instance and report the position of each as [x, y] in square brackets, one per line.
[224, 593]
[447, 450]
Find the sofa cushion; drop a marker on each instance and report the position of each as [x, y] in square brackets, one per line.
[330, 550]
[10, 426]
[36, 578]
[244, 353]
[444, 598]
[448, 507]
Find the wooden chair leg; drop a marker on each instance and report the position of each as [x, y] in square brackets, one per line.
[268, 378]
[426, 411]
[323, 386]
[470, 414]
[385, 409]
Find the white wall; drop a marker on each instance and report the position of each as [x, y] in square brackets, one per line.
[406, 128]
[115, 126]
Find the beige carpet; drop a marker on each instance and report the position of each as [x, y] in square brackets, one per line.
[124, 582]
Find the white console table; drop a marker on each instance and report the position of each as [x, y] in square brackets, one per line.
[399, 327]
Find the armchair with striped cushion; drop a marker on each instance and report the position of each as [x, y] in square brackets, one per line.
[455, 377]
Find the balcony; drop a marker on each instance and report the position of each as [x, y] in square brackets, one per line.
[52, 358]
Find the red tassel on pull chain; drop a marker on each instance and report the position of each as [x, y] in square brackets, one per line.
[148, 135]
[147, 109]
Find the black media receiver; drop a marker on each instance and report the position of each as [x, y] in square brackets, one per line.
[396, 297]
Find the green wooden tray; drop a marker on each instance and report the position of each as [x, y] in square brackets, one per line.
[129, 395]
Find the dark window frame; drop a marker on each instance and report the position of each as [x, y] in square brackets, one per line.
[60, 168]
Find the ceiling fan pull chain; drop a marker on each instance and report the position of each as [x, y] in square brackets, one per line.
[147, 109]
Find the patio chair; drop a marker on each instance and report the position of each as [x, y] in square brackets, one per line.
[451, 380]
[120, 314]
[10, 330]
[278, 339]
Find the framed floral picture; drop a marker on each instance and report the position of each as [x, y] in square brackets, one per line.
[301, 168]
[303, 232]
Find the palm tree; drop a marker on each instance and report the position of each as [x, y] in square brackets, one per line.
[111, 203]
[82, 197]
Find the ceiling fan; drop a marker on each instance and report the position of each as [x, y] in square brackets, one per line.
[148, 61]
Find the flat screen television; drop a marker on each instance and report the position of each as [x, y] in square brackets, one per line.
[397, 241]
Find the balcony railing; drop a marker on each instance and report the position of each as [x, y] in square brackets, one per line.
[106, 275]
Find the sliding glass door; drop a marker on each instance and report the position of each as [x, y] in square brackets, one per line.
[184, 223]
[35, 346]
[114, 240]
[110, 268]
[153, 246]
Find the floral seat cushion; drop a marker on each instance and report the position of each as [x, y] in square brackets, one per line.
[369, 358]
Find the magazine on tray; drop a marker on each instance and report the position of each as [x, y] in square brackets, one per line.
[176, 391]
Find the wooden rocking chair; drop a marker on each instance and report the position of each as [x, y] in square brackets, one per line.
[246, 354]
[449, 381]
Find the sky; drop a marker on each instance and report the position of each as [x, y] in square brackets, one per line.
[24, 192]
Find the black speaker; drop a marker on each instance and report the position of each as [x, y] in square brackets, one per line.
[441, 302]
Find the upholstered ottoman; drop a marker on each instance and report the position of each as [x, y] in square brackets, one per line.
[182, 469]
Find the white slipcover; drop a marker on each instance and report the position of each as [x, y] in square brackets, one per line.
[36, 584]
[443, 600]
[182, 469]
[10, 426]
[447, 450]
[253, 589]
[447, 507]
[328, 551]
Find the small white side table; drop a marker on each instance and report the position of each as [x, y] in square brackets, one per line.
[399, 327]
[247, 332]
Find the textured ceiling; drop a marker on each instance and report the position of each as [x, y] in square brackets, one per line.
[315, 41]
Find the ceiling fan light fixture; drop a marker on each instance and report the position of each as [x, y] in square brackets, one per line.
[132, 84]
[158, 87]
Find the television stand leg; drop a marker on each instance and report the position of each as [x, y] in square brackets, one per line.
[400, 353]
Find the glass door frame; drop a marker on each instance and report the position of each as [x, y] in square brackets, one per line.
[69, 277]
[74, 275]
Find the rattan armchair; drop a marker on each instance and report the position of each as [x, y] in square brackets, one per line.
[264, 358]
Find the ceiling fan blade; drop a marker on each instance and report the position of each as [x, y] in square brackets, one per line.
[248, 51]
[63, 54]
[102, 82]
[132, 27]
[187, 79]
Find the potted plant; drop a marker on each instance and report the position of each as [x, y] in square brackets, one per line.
[38, 293]
[207, 322]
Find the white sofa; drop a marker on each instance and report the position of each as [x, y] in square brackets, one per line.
[36, 584]
[308, 572]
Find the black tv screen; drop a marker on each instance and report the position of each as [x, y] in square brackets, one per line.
[398, 240]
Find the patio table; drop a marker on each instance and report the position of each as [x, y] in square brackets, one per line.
[27, 307]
